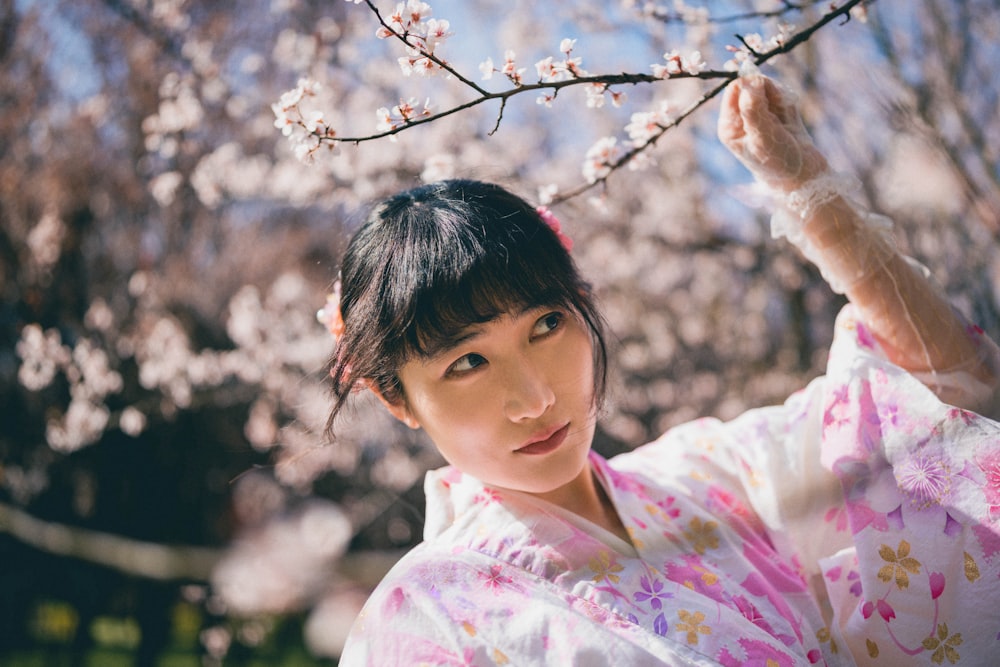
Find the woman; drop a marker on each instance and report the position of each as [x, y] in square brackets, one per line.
[853, 524]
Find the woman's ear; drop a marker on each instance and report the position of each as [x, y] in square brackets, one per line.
[397, 409]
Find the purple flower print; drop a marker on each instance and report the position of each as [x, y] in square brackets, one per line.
[926, 480]
[652, 592]
[660, 625]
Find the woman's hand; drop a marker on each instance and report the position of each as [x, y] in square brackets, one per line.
[760, 124]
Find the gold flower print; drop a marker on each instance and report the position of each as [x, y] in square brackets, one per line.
[691, 624]
[898, 565]
[943, 645]
[971, 568]
[702, 535]
[604, 568]
[824, 635]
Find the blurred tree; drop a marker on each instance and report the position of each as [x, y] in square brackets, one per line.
[163, 252]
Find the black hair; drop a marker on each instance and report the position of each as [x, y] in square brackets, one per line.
[429, 262]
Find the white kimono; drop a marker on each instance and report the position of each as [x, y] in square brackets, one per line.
[858, 523]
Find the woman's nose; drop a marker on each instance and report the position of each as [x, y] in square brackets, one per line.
[529, 394]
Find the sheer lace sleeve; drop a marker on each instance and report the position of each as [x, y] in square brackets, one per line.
[819, 212]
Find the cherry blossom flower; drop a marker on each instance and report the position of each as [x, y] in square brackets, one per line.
[401, 114]
[510, 69]
[421, 36]
[546, 193]
[437, 32]
[546, 70]
[677, 64]
[545, 99]
[45, 240]
[132, 421]
[42, 354]
[595, 94]
[306, 132]
[487, 69]
[600, 157]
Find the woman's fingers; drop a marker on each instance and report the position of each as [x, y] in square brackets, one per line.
[730, 126]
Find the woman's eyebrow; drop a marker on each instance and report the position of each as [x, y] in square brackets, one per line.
[446, 344]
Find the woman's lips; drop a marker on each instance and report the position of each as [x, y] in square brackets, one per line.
[546, 445]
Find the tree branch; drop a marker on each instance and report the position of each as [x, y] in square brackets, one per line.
[483, 96]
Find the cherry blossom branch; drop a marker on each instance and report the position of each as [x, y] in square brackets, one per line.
[420, 35]
[700, 15]
[759, 58]
[419, 45]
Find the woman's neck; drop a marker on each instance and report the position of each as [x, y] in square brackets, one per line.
[586, 497]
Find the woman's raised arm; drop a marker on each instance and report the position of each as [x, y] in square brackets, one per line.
[854, 250]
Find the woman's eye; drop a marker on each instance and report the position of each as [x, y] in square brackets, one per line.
[548, 324]
[466, 363]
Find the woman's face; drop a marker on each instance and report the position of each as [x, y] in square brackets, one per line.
[512, 402]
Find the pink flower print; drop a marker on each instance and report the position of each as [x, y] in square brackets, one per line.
[838, 516]
[989, 464]
[757, 653]
[494, 580]
[865, 338]
[988, 537]
[884, 609]
[723, 500]
[937, 585]
[752, 614]
[837, 411]
[488, 496]
[692, 574]
[958, 414]
[667, 507]
[652, 592]
[778, 574]
[890, 415]
[855, 588]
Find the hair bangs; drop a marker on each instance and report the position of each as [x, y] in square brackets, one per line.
[477, 265]
[488, 287]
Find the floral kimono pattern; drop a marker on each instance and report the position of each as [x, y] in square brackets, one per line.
[858, 523]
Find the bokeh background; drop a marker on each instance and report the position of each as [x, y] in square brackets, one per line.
[167, 495]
